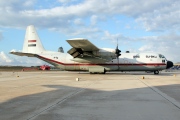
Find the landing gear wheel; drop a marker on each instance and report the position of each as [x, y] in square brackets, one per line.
[104, 71]
[156, 72]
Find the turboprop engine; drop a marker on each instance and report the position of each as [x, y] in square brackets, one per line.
[105, 52]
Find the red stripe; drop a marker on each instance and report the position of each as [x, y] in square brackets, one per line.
[107, 64]
[31, 40]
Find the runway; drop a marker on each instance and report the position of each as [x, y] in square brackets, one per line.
[57, 95]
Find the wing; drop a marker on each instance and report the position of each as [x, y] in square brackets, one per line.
[84, 44]
[81, 46]
[84, 51]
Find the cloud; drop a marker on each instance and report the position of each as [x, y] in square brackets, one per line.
[154, 15]
[124, 40]
[78, 22]
[11, 6]
[66, 1]
[83, 18]
[4, 58]
[94, 19]
[87, 32]
[1, 36]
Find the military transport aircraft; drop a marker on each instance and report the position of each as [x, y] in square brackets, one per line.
[85, 56]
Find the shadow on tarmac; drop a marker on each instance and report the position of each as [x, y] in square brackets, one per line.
[130, 73]
[69, 103]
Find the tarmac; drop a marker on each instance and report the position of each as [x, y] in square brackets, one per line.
[61, 95]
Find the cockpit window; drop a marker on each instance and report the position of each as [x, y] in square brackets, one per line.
[161, 56]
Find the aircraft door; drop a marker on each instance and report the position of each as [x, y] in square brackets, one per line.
[125, 64]
[76, 66]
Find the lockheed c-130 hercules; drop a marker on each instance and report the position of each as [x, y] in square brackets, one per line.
[85, 56]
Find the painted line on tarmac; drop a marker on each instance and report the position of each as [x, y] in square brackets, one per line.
[60, 101]
[165, 96]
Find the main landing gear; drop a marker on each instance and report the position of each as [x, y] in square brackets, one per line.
[156, 72]
[98, 72]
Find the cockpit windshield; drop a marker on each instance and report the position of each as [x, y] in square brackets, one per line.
[161, 56]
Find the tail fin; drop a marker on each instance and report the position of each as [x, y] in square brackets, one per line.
[32, 43]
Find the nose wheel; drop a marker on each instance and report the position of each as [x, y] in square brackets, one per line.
[156, 72]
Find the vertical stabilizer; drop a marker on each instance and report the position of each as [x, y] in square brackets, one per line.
[32, 43]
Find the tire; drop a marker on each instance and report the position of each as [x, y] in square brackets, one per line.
[156, 72]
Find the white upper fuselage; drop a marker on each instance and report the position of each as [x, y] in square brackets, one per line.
[127, 62]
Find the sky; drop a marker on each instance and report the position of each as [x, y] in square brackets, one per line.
[139, 26]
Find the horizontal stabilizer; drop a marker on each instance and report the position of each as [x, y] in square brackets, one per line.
[23, 54]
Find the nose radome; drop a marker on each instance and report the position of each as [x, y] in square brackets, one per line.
[169, 64]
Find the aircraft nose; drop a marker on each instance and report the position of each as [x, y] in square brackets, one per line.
[169, 64]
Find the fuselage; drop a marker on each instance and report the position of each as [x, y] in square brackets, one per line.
[126, 62]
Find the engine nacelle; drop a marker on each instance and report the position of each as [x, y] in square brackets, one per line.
[105, 52]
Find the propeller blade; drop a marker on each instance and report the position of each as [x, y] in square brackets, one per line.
[117, 52]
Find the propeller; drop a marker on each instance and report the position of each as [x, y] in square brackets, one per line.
[118, 53]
